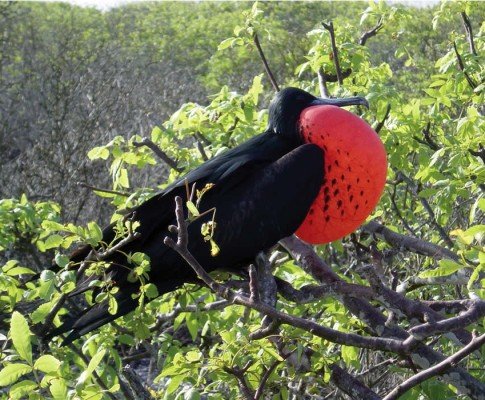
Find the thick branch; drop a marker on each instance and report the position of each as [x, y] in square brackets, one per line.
[350, 385]
[473, 314]
[437, 369]
[159, 153]
[410, 243]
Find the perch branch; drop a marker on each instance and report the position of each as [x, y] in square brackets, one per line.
[159, 153]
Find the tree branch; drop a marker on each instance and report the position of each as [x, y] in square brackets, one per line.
[437, 369]
[265, 63]
[410, 243]
[350, 385]
[469, 32]
[159, 153]
[329, 27]
[97, 189]
[470, 81]
[380, 124]
[370, 33]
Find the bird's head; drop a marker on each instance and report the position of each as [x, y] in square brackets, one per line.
[287, 105]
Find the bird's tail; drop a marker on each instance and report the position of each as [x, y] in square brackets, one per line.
[97, 315]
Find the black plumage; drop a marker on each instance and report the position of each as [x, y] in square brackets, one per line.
[261, 191]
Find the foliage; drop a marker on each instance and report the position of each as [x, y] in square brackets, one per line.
[433, 135]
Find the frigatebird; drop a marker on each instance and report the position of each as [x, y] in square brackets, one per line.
[261, 192]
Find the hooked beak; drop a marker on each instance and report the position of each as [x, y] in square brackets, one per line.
[349, 101]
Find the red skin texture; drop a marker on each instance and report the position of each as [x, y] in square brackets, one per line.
[355, 173]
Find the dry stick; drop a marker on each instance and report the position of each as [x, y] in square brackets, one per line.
[350, 385]
[352, 339]
[329, 28]
[371, 33]
[159, 153]
[462, 68]
[97, 189]
[437, 369]
[469, 32]
[265, 62]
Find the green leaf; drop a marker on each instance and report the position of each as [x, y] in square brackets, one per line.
[86, 374]
[12, 372]
[193, 356]
[98, 152]
[446, 267]
[61, 260]
[47, 364]
[95, 231]
[22, 389]
[192, 209]
[58, 389]
[53, 241]
[123, 178]
[20, 334]
[192, 325]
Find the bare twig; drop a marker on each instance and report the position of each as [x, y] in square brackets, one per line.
[266, 375]
[329, 27]
[97, 189]
[432, 217]
[437, 369]
[265, 63]
[159, 153]
[469, 32]
[428, 140]
[370, 33]
[350, 385]
[470, 81]
[322, 84]
[380, 124]
[200, 147]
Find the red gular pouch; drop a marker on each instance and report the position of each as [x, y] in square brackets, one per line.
[355, 172]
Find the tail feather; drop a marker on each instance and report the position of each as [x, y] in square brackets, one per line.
[98, 314]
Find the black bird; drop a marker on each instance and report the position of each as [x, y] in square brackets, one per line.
[262, 191]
